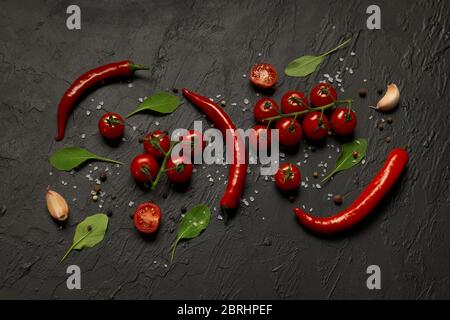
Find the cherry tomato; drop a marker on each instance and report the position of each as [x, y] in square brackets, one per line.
[315, 125]
[287, 177]
[153, 139]
[322, 94]
[294, 101]
[144, 168]
[179, 169]
[343, 121]
[263, 75]
[259, 141]
[147, 217]
[290, 131]
[265, 108]
[195, 138]
[111, 125]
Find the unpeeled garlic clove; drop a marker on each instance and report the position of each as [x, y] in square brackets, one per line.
[57, 205]
[390, 99]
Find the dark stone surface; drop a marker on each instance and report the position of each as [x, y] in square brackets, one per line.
[207, 46]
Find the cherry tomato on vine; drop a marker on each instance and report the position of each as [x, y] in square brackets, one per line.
[265, 108]
[144, 168]
[147, 217]
[153, 139]
[258, 142]
[263, 75]
[322, 94]
[290, 131]
[288, 177]
[343, 121]
[178, 169]
[111, 125]
[315, 125]
[195, 139]
[294, 101]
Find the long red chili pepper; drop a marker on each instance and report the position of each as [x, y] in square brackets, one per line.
[365, 203]
[238, 171]
[88, 80]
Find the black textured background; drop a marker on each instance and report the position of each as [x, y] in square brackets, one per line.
[207, 46]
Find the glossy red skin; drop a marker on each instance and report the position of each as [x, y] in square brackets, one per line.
[365, 203]
[294, 101]
[196, 140]
[319, 96]
[238, 170]
[147, 217]
[284, 182]
[265, 144]
[290, 131]
[263, 75]
[343, 121]
[164, 143]
[85, 82]
[144, 161]
[181, 175]
[311, 127]
[265, 108]
[111, 130]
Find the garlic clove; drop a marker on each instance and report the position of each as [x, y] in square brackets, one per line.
[390, 99]
[57, 205]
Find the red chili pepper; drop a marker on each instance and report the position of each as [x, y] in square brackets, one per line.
[365, 203]
[86, 81]
[238, 171]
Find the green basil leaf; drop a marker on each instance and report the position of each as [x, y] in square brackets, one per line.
[89, 233]
[346, 159]
[68, 158]
[304, 66]
[161, 102]
[193, 223]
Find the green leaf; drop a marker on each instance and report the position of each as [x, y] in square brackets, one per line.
[193, 223]
[89, 233]
[68, 158]
[161, 102]
[304, 66]
[346, 159]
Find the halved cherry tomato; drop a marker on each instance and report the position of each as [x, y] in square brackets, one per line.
[322, 94]
[144, 168]
[263, 75]
[178, 169]
[290, 131]
[147, 217]
[111, 125]
[315, 125]
[294, 101]
[195, 139]
[343, 121]
[258, 142]
[288, 177]
[153, 139]
[265, 108]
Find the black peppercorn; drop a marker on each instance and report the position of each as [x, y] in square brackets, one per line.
[164, 195]
[362, 92]
[338, 199]
[103, 176]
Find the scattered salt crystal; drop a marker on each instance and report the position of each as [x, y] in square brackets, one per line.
[341, 59]
[88, 112]
[130, 85]
[306, 178]
[353, 53]
[219, 217]
[234, 104]
[97, 181]
[244, 76]
[371, 117]
[256, 191]
[50, 173]
[306, 156]
[282, 154]
[100, 206]
[259, 54]
[134, 128]
[218, 96]
[83, 136]
[252, 198]
[96, 168]
[156, 123]
[365, 80]
[74, 199]
[303, 206]
[141, 100]
[318, 186]
[364, 161]
[329, 157]
[350, 71]
[99, 107]
[131, 203]
[310, 209]
[211, 180]
[75, 187]
[246, 101]
[101, 103]
[92, 100]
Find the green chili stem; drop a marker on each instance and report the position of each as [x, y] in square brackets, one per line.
[163, 165]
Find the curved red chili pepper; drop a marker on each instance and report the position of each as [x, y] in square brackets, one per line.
[238, 171]
[86, 81]
[365, 203]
